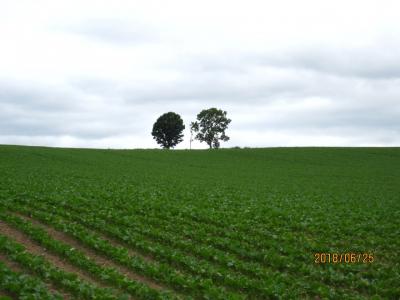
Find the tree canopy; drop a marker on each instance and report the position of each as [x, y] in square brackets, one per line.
[210, 127]
[167, 130]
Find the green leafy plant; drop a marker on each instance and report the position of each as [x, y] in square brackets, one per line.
[227, 224]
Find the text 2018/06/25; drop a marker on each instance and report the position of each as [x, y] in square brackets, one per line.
[347, 258]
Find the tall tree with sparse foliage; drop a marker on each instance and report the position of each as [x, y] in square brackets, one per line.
[210, 127]
[167, 130]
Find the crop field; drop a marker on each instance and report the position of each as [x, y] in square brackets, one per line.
[275, 223]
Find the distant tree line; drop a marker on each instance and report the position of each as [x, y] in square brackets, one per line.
[209, 127]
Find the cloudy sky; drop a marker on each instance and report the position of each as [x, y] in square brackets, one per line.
[289, 73]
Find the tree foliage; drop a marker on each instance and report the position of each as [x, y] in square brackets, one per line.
[167, 130]
[210, 127]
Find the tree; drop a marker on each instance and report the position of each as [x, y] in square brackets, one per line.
[167, 130]
[210, 127]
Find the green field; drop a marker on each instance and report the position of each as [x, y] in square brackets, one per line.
[219, 224]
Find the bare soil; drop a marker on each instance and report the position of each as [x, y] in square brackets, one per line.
[92, 254]
[15, 267]
[34, 248]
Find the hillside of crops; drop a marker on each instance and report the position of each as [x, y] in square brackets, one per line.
[274, 223]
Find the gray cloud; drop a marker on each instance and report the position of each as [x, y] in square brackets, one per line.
[115, 31]
[381, 62]
[332, 118]
[102, 78]
[49, 112]
[28, 96]
[97, 108]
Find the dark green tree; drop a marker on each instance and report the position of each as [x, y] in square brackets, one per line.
[167, 130]
[210, 127]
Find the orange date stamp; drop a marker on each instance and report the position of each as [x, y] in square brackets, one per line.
[343, 258]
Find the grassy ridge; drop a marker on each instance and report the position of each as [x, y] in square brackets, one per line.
[262, 213]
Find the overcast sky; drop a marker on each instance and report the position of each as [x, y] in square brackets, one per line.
[289, 73]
